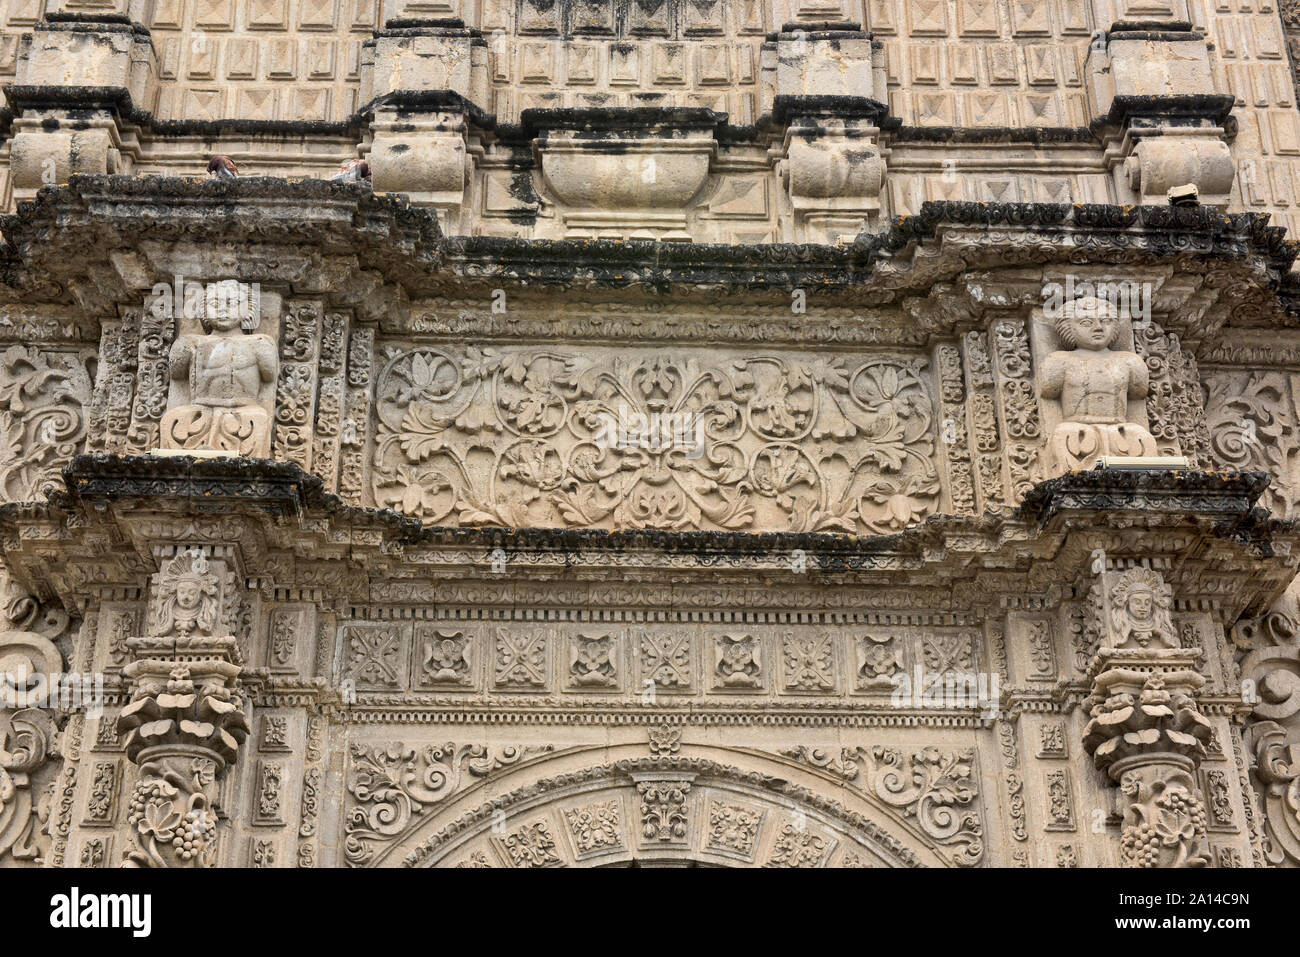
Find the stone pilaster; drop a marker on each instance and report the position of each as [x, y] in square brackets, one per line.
[187, 719]
[1146, 732]
[426, 80]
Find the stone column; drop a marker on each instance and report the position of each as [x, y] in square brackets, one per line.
[78, 78]
[187, 717]
[1146, 732]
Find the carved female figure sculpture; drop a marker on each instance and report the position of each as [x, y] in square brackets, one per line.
[1139, 609]
[1094, 383]
[186, 598]
[221, 384]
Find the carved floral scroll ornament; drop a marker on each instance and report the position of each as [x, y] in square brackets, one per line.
[1269, 658]
[393, 786]
[515, 438]
[42, 418]
[29, 737]
[1252, 427]
[936, 790]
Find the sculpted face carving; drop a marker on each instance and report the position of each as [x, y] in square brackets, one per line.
[1094, 383]
[222, 385]
[187, 597]
[1139, 608]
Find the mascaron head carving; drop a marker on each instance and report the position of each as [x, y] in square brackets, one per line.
[1139, 611]
[186, 596]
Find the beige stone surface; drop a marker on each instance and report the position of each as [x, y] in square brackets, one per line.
[615, 481]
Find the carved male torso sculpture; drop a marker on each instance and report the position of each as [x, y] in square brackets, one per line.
[223, 376]
[1094, 384]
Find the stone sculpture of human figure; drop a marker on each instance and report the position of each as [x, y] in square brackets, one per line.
[186, 600]
[1140, 604]
[221, 380]
[1094, 384]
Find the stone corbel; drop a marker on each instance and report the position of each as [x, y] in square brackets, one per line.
[827, 88]
[623, 173]
[77, 77]
[426, 79]
[1146, 731]
[1163, 123]
[188, 716]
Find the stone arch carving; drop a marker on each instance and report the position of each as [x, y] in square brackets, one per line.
[711, 807]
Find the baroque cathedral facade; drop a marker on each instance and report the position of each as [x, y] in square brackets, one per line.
[755, 433]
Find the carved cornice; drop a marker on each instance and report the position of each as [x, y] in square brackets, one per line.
[403, 247]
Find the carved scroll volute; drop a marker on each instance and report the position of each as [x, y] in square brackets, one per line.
[187, 717]
[1269, 662]
[29, 738]
[1145, 730]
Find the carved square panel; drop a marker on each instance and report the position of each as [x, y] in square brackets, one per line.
[521, 658]
[318, 14]
[531, 846]
[669, 63]
[591, 17]
[596, 828]
[268, 14]
[1030, 18]
[808, 662]
[927, 17]
[738, 660]
[799, 844]
[539, 17]
[879, 658]
[595, 660]
[665, 660]
[374, 655]
[649, 18]
[978, 18]
[583, 63]
[445, 655]
[733, 829]
[703, 17]
[214, 14]
[625, 64]
[740, 197]
[712, 66]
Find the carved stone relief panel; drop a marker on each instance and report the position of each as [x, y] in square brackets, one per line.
[1252, 422]
[667, 660]
[645, 438]
[222, 375]
[44, 398]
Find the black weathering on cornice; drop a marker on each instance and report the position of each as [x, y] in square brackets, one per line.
[320, 212]
[282, 488]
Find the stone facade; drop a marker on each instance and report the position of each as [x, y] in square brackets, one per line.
[683, 451]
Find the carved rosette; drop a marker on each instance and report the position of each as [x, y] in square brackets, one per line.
[1147, 733]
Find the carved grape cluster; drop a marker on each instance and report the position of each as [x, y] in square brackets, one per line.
[1141, 846]
[198, 831]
